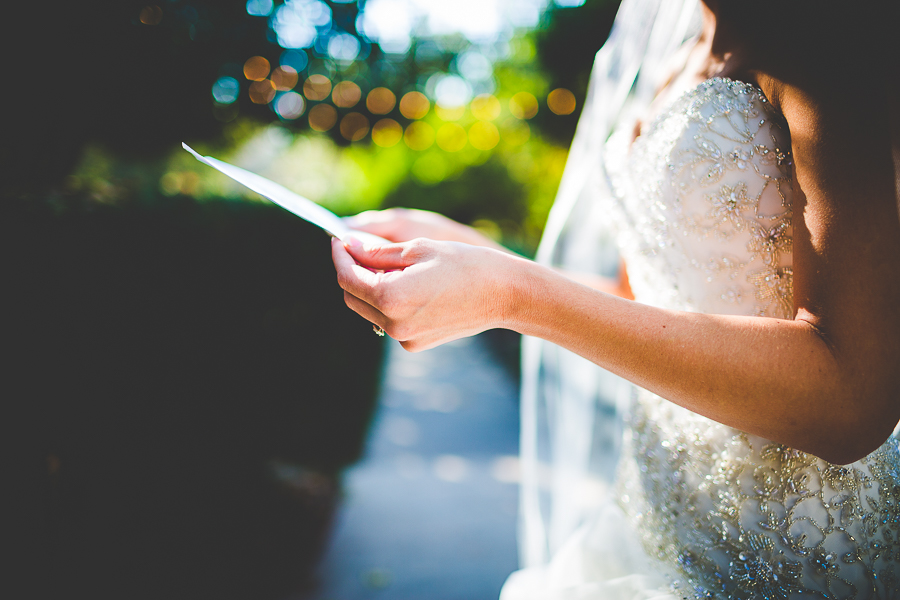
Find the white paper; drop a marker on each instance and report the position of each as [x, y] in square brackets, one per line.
[285, 198]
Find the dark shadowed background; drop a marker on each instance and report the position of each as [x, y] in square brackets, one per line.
[173, 344]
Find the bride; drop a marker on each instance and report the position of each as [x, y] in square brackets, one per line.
[739, 155]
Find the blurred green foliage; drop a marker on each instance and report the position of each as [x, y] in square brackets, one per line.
[136, 86]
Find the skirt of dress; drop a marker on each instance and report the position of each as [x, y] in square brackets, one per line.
[604, 560]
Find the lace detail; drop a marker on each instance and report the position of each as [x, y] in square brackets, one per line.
[715, 229]
[733, 515]
[737, 516]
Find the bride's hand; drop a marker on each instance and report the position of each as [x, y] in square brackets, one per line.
[424, 292]
[404, 224]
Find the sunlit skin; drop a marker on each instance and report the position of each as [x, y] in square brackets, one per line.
[826, 381]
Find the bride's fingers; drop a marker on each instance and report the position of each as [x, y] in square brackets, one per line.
[351, 276]
[366, 310]
[387, 257]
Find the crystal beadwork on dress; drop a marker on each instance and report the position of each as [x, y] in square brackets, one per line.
[703, 214]
[703, 204]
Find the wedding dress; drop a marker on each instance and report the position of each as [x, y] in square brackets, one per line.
[700, 208]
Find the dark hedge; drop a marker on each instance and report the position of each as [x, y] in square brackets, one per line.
[186, 385]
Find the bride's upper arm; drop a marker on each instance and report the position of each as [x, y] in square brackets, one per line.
[847, 238]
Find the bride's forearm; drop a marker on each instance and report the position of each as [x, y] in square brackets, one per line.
[617, 286]
[775, 378]
[825, 382]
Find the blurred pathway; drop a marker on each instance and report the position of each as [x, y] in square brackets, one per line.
[430, 513]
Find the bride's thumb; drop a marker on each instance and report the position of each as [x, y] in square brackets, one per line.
[382, 257]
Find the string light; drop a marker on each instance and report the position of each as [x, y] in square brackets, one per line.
[419, 135]
[381, 101]
[354, 126]
[346, 94]
[225, 90]
[262, 92]
[317, 87]
[256, 68]
[449, 113]
[523, 105]
[484, 135]
[284, 78]
[386, 133]
[451, 137]
[485, 107]
[561, 101]
[414, 105]
[290, 106]
[322, 117]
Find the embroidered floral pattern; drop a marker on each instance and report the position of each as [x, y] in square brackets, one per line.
[774, 292]
[739, 517]
[729, 203]
[726, 159]
[730, 514]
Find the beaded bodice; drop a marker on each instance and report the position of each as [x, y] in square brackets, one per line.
[702, 208]
[703, 204]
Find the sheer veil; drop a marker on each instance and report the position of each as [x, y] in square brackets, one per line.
[571, 409]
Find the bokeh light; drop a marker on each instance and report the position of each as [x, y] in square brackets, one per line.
[474, 66]
[484, 135]
[523, 105]
[256, 68]
[296, 21]
[485, 107]
[449, 113]
[225, 90]
[451, 137]
[447, 105]
[515, 132]
[296, 59]
[386, 133]
[354, 126]
[262, 92]
[260, 8]
[419, 135]
[322, 117]
[284, 78]
[389, 22]
[392, 23]
[290, 105]
[450, 90]
[317, 87]
[346, 94]
[414, 105]
[344, 47]
[380, 101]
[561, 101]
[151, 15]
